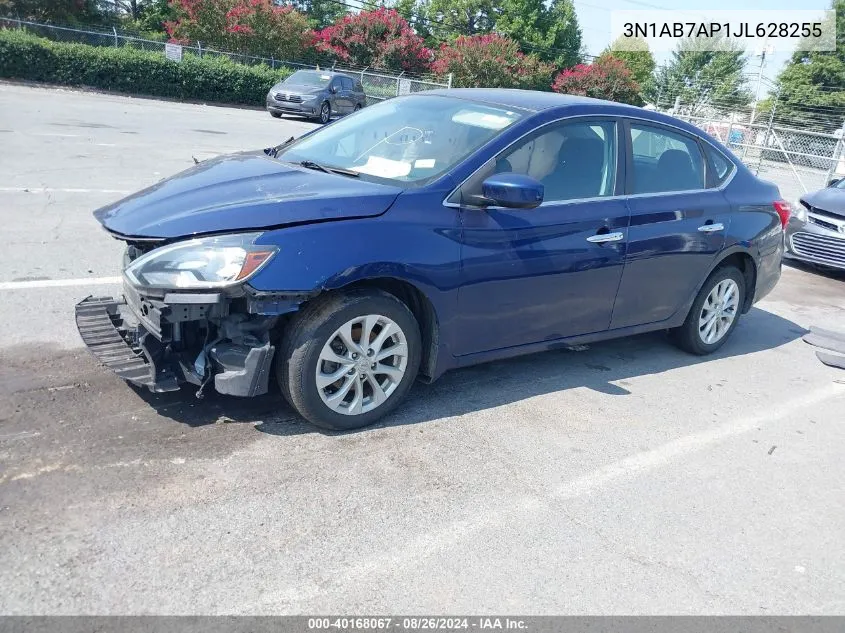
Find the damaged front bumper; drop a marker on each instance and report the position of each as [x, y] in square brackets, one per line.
[197, 338]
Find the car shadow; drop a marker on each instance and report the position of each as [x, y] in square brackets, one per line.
[603, 367]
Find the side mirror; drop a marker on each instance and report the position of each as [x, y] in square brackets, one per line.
[833, 182]
[333, 90]
[514, 191]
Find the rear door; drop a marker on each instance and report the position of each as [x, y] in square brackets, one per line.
[677, 228]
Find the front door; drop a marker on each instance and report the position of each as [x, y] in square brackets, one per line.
[678, 226]
[550, 272]
[344, 95]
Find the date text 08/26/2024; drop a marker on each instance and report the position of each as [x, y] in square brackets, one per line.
[416, 623]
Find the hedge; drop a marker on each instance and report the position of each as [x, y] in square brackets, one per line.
[126, 69]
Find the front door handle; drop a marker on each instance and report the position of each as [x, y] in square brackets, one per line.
[711, 228]
[601, 238]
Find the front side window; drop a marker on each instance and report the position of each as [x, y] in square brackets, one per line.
[664, 161]
[346, 83]
[573, 161]
[406, 140]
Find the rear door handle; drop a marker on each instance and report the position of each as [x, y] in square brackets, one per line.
[711, 228]
[601, 238]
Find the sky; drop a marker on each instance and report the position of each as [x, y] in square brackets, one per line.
[594, 18]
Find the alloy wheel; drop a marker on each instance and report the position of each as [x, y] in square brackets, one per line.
[362, 364]
[718, 312]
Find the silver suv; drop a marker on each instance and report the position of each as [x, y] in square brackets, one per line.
[316, 94]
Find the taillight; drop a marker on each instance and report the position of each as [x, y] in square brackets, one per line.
[784, 211]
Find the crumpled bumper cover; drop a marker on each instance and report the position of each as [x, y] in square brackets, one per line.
[131, 354]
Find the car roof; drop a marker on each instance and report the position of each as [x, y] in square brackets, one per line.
[330, 73]
[535, 101]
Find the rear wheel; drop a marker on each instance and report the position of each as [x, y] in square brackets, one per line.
[347, 360]
[276, 115]
[714, 314]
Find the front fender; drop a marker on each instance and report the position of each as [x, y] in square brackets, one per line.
[423, 251]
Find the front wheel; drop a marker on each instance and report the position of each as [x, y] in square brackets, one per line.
[276, 115]
[325, 112]
[349, 359]
[714, 313]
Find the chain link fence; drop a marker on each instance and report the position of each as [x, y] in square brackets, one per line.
[797, 161]
[378, 84]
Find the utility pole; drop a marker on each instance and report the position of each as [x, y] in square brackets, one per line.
[762, 55]
[768, 131]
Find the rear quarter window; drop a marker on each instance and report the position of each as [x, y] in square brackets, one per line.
[721, 167]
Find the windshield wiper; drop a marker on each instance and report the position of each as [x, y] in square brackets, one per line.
[272, 151]
[310, 164]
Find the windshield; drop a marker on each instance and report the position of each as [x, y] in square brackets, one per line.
[308, 78]
[409, 139]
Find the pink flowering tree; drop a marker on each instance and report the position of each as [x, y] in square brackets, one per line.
[491, 61]
[255, 27]
[606, 78]
[379, 39]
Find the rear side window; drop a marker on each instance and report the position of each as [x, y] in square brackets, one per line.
[721, 167]
[664, 161]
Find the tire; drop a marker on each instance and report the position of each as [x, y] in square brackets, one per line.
[315, 329]
[692, 335]
[357, 107]
[276, 115]
[325, 112]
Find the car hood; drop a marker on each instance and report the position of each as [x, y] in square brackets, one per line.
[831, 200]
[240, 192]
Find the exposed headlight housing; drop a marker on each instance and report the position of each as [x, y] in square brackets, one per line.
[799, 210]
[309, 97]
[208, 262]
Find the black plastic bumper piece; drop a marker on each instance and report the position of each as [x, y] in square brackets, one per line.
[99, 323]
[244, 371]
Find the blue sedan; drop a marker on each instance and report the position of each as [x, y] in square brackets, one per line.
[427, 233]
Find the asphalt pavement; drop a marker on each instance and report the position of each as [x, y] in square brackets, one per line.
[626, 478]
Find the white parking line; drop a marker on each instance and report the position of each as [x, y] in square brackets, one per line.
[59, 190]
[632, 466]
[59, 283]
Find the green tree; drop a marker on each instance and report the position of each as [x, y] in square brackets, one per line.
[551, 32]
[635, 54]
[154, 14]
[414, 13]
[703, 79]
[447, 19]
[811, 88]
[68, 11]
[321, 13]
